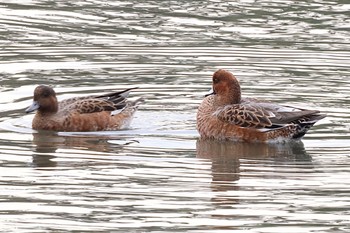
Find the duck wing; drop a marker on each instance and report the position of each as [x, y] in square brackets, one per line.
[266, 116]
[281, 115]
[89, 104]
[245, 116]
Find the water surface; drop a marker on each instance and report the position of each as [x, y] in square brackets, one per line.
[159, 176]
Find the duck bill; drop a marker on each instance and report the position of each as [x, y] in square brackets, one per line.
[211, 92]
[33, 107]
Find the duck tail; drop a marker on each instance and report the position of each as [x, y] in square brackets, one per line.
[130, 107]
[303, 125]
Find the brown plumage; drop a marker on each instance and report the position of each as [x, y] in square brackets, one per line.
[90, 113]
[225, 115]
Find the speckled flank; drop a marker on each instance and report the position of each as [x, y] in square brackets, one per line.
[227, 116]
[91, 113]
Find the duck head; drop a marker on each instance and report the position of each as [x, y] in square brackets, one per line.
[44, 100]
[226, 88]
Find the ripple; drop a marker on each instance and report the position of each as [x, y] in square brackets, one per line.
[157, 175]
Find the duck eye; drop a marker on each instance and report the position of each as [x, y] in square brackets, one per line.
[215, 80]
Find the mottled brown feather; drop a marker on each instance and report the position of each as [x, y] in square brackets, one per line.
[225, 115]
[89, 113]
[244, 116]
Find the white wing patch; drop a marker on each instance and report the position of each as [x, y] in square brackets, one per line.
[116, 112]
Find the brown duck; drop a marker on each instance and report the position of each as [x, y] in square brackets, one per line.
[89, 113]
[225, 115]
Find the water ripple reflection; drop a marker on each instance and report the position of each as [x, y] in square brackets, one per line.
[158, 176]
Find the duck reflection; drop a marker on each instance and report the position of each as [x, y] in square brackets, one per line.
[226, 158]
[47, 143]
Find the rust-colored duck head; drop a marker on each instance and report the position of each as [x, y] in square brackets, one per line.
[44, 100]
[226, 88]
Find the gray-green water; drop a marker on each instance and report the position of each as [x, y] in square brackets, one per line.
[157, 176]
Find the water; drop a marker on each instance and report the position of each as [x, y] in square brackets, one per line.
[158, 176]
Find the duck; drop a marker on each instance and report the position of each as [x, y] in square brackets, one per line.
[225, 115]
[104, 112]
